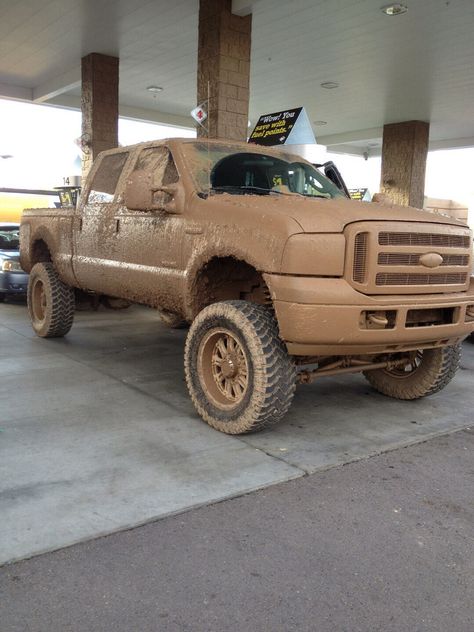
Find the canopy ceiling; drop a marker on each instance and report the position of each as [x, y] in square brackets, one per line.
[418, 65]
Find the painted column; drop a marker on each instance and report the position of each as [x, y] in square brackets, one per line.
[224, 65]
[404, 152]
[99, 103]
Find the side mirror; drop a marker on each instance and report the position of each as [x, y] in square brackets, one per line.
[141, 195]
[137, 194]
[166, 198]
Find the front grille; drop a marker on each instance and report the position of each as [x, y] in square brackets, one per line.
[396, 278]
[408, 259]
[390, 257]
[424, 239]
[360, 258]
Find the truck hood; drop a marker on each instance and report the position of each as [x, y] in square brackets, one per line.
[332, 216]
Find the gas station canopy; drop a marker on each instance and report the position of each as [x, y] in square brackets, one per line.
[350, 64]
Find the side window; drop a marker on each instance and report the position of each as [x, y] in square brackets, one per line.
[106, 177]
[159, 162]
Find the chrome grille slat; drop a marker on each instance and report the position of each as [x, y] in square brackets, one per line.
[360, 258]
[413, 259]
[400, 278]
[423, 239]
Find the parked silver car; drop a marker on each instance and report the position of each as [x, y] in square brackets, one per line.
[13, 280]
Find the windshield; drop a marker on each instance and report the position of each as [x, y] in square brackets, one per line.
[9, 237]
[227, 169]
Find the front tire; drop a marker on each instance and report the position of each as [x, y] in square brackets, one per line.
[427, 372]
[50, 302]
[238, 371]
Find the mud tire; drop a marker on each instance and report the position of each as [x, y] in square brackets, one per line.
[435, 371]
[50, 302]
[172, 320]
[271, 371]
[470, 338]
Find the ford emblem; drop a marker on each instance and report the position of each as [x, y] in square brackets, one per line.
[431, 260]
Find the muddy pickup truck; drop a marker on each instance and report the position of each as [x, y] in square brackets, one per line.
[281, 278]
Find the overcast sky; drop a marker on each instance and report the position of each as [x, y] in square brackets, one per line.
[40, 140]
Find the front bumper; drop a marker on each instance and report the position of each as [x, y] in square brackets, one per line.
[13, 282]
[319, 316]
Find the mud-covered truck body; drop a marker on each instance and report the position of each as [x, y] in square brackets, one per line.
[281, 278]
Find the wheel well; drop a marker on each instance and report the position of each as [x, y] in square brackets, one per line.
[40, 252]
[228, 278]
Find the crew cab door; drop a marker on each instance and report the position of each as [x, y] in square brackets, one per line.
[95, 258]
[150, 231]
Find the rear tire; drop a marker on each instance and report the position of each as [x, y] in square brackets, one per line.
[50, 302]
[238, 371]
[429, 372]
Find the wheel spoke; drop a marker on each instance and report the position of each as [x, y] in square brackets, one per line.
[241, 381]
[221, 348]
[228, 387]
[230, 344]
[238, 388]
[217, 360]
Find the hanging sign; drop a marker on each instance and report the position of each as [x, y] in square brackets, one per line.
[363, 195]
[289, 127]
[199, 114]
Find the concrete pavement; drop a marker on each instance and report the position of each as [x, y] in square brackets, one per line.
[381, 545]
[98, 433]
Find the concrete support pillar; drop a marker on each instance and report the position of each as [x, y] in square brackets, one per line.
[404, 152]
[99, 103]
[224, 63]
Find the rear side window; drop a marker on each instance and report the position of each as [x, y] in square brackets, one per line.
[106, 178]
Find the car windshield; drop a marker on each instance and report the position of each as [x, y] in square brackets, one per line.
[218, 168]
[9, 237]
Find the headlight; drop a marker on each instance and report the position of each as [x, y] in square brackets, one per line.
[314, 255]
[11, 266]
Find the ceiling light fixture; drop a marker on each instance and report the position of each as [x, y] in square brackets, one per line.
[394, 9]
[320, 122]
[329, 85]
[154, 89]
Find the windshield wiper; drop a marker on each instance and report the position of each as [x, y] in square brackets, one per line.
[325, 196]
[245, 189]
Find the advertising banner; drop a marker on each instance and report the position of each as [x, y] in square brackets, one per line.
[289, 127]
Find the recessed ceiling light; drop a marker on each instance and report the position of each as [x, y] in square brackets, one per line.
[154, 89]
[394, 9]
[320, 122]
[329, 85]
